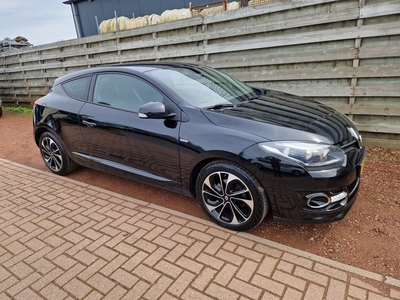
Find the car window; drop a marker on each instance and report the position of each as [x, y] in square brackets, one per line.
[124, 91]
[77, 88]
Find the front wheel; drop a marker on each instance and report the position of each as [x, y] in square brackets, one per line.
[231, 196]
[54, 155]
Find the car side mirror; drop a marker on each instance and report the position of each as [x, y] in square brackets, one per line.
[154, 110]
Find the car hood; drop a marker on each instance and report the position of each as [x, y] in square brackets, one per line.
[280, 116]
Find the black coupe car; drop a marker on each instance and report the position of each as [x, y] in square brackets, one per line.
[243, 151]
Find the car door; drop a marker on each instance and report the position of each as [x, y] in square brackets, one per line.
[122, 143]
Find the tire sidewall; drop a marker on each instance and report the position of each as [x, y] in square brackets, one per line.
[261, 206]
[65, 168]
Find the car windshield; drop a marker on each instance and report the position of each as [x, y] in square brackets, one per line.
[204, 87]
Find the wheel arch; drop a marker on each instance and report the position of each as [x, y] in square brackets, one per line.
[222, 156]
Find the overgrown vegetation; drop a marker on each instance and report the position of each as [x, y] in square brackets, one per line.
[19, 109]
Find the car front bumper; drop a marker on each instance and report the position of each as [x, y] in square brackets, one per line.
[304, 198]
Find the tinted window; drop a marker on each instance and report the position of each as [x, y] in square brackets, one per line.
[77, 88]
[124, 91]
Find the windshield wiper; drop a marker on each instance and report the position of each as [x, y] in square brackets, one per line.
[219, 106]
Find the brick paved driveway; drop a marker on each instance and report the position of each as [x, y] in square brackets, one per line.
[60, 239]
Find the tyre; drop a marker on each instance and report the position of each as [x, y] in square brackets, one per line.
[54, 155]
[1, 111]
[231, 196]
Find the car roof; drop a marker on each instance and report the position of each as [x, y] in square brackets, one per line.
[137, 67]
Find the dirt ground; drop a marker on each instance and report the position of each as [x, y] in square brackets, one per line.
[369, 236]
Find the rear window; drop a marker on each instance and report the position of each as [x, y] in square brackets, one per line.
[77, 88]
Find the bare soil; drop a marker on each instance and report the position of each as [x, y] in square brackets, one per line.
[368, 237]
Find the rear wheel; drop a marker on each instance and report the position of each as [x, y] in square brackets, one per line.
[54, 155]
[231, 196]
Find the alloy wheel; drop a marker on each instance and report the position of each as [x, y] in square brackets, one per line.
[227, 198]
[51, 154]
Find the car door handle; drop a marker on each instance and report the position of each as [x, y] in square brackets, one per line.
[89, 124]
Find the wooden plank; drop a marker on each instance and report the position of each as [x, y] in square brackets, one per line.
[328, 35]
[320, 73]
[282, 24]
[379, 127]
[375, 109]
[271, 7]
[283, 57]
[377, 91]
[311, 90]
[379, 52]
[380, 9]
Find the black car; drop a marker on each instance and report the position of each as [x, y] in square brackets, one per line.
[244, 152]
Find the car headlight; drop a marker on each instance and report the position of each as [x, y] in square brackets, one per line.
[307, 154]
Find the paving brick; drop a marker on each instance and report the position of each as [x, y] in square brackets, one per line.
[171, 230]
[164, 242]
[311, 276]
[267, 266]
[23, 284]
[135, 260]
[175, 253]
[101, 283]
[357, 292]
[145, 246]
[147, 274]
[116, 293]
[125, 249]
[137, 291]
[51, 291]
[221, 293]
[330, 271]
[35, 244]
[155, 257]
[46, 279]
[21, 270]
[336, 290]
[69, 274]
[12, 260]
[229, 257]
[106, 253]
[245, 288]
[195, 249]
[5, 284]
[27, 294]
[191, 294]
[117, 262]
[183, 239]
[249, 254]
[77, 288]
[268, 250]
[181, 283]
[314, 292]
[168, 269]
[268, 284]
[189, 264]
[285, 266]
[78, 247]
[247, 270]
[4, 274]
[124, 278]
[116, 239]
[214, 246]
[64, 262]
[92, 269]
[289, 280]
[225, 275]
[158, 288]
[292, 294]
[94, 295]
[85, 257]
[204, 278]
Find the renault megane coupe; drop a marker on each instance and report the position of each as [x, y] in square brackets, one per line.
[244, 152]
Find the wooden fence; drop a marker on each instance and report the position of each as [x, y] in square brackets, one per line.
[345, 53]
